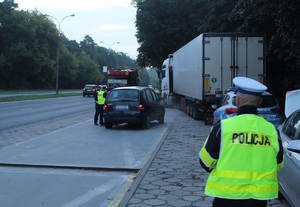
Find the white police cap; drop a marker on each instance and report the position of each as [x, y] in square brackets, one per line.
[249, 86]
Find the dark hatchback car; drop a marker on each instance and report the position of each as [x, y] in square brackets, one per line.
[289, 175]
[134, 105]
[89, 90]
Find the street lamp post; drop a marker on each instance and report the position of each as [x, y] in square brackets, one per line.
[58, 48]
[109, 46]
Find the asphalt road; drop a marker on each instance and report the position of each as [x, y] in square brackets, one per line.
[51, 154]
[20, 113]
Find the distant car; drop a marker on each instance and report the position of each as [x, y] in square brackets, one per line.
[269, 108]
[289, 175]
[89, 90]
[133, 104]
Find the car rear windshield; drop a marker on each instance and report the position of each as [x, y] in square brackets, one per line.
[267, 101]
[89, 86]
[123, 95]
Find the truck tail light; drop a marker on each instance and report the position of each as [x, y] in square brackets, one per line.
[206, 83]
[261, 78]
[140, 107]
[231, 110]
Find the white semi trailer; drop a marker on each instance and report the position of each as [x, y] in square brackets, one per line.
[198, 74]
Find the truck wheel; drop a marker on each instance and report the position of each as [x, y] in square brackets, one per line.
[187, 108]
[146, 122]
[194, 113]
[108, 125]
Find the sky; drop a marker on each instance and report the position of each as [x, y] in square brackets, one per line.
[108, 21]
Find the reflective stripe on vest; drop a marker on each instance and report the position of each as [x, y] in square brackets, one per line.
[247, 164]
[101, 99]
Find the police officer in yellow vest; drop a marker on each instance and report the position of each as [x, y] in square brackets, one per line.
[243, 153]
[100, 96]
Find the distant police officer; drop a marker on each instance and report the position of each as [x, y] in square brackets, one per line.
[100, 96]
[243, 153]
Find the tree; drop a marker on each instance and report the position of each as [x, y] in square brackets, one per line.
[88, 71]
[164, 26]
[283, 44]
[27, 51]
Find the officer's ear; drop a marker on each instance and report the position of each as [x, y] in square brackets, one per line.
[237, 100]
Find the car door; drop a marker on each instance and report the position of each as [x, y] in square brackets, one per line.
[219, 113]
[151, 104]
[158, 106]
[289, 175]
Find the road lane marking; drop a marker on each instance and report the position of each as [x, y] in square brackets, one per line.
[127, 152]
[153, 147]
[25, 109]
[113, 183]
[120, 194]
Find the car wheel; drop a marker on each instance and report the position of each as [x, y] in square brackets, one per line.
[146, 122]
[108, 125]
[161, 120]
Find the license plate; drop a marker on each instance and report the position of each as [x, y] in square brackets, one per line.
[122, 107]
[268, 116]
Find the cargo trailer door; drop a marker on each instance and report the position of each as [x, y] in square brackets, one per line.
[250, 57]
[228, 56]
[218, 65]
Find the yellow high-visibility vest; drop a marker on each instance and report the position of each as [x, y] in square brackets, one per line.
[101, 99]
[247, 164]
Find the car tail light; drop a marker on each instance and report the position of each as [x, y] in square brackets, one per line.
[231, 110]
[208, 110]
[83, 89]
[277, 110]
[140, 107]
[105, 108]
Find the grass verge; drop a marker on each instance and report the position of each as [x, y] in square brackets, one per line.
[31, 97]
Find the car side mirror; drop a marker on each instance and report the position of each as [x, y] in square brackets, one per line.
[294, 146]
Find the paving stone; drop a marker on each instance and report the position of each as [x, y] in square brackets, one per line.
[175, 177]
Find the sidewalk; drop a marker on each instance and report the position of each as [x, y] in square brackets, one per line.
[175, 177]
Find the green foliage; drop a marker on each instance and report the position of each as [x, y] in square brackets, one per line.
[25, 54]
[29, 49]
[32, 97]
[164, 26]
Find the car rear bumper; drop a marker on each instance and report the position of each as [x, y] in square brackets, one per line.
[123, 118]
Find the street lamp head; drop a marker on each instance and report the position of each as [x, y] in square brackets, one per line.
[72, 15]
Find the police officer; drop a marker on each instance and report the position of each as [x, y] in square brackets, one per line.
[243, 153]
[100, 96]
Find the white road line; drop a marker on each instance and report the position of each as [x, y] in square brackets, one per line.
[127, 152]
[25, 109]
[113, 183]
